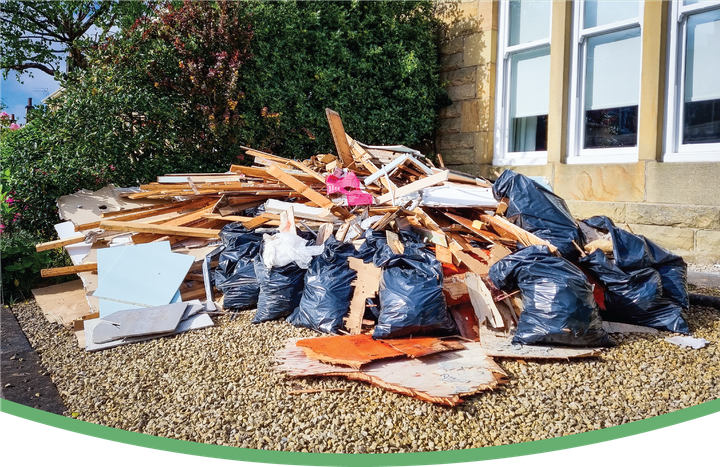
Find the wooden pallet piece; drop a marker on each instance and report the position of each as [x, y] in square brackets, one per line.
[64, 271]
[159, 229]
[309, 193]
[367, 284]
[340, 137]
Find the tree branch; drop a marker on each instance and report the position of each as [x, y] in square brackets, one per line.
[38, 66]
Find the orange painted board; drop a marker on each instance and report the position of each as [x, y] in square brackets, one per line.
[353, 351]
[421, 346]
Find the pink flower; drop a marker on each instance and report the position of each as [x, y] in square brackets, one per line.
[14, 126]
[17, 216]
[112, 167]
[4, 115]
[9, 200]
[2, 228]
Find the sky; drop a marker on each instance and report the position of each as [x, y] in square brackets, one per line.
[15, 95]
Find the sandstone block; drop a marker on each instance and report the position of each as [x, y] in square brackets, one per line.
[686, 183]
[463, 92]
[457, 141]
[675, 215]
[673, 238]
[458, 156]
[607, 182]
[586, 209]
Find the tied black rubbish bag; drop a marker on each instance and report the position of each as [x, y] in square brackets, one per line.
[280, 290]
[539, 211]
[235, 273]
[558, 300]
[646, 284]
[411, 297]
[328, 290]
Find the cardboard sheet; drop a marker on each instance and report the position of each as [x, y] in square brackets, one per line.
[86, 206]
[63, 303]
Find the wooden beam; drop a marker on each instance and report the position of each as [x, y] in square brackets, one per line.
[308, 192]
[339, 136]
[507, 228]
[283, 160]
[415, 186]
[141, 227]
[68, 270]
[59, 243]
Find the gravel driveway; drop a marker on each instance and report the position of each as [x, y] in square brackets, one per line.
[217, 386]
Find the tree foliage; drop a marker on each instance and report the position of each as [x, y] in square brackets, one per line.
[35, 34]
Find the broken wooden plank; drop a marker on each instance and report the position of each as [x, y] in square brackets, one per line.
[59, 243]
[141, 227]
[282, 160]
[443, 254]
[502, 346]
[339, 136]
[366, 285]
[64, 271]
[263, 218]
[324, 233]
[507, 228]
[482, 301]
[308, 192]
[468, 224]
[287, 221]
[474, 265]
[394, 242]
[414, 187]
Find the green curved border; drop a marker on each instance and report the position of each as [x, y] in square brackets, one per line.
[417, 458]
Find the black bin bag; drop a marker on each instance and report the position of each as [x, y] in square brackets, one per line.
[280, 290]
[235, 273]
[411, 297]
[539, 211]
[558, 302]
[646, 284]
[327, 292]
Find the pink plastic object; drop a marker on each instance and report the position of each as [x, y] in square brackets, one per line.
[338, 184]
[349, 185]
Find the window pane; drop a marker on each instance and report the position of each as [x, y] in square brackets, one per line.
[613, 70]
[702, 79]
[529, 20]
[601, 12]
[611, 128]
[612, 89]
[529, 99]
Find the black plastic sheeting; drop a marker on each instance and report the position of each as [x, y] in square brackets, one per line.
[328, 290]
[235, 273]
[411, 297]
[559, 307]
[646, 284]
[539, 211]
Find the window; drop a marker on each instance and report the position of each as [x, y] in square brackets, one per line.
[523, 78]
[693, 104]
[605, 82]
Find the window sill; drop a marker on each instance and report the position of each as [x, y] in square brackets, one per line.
[521, 158]
[607, 158]
[692, 157]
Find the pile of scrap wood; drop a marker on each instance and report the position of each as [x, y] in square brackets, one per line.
[413, 249]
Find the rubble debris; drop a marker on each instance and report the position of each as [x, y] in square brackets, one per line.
[416, 252]
[687, 341]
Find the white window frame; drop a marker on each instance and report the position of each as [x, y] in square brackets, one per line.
[576, 116]
[501, 156]
[674, 150]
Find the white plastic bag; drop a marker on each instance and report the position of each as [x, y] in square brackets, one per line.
[283, 248]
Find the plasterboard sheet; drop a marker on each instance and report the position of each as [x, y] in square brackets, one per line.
[199, 321]
[502, 346]
[452, 195]
[142, 277]
[77, 251]
[139, 322]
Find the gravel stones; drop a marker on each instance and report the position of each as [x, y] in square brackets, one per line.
[216, 385]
